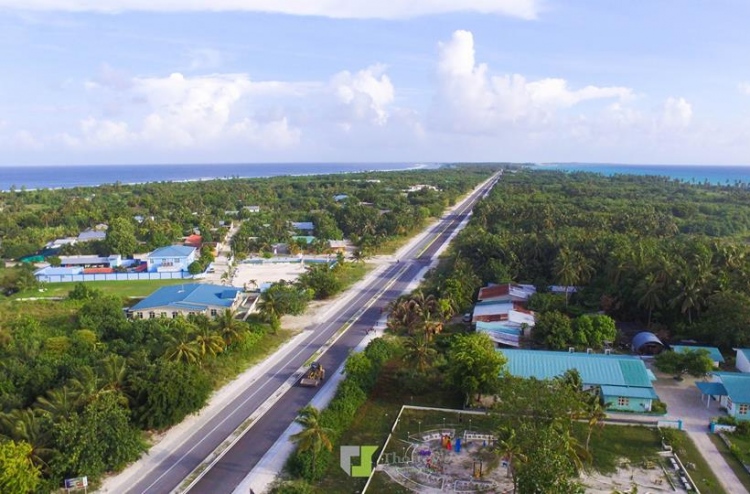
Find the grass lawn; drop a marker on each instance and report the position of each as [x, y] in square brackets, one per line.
[373, 423]
[119, 288]
[732, 461]
[611, 443]
[702, 475]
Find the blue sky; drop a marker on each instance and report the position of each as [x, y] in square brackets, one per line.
[166, 81]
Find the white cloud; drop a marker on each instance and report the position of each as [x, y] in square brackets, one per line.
[110, 78]
[473, 101]
[365, 95]
[181, 112]
[744, 87]
[205, 59]
[677, 113]
[347, 9]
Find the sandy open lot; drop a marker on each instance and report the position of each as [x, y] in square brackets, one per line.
[252, 276]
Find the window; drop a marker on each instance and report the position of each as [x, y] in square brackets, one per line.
[175, 315]
[151, 315]
[213, 312]
[622, 401]
[730, 405]
[743, 409]
[139, 315]
[163, 314]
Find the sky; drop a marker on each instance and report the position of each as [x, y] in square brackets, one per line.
[243, 81]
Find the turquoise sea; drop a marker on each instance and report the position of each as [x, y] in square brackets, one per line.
[68, 176]
[713, 174]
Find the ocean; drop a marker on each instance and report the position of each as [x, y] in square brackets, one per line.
[56, 177]
[713, 174]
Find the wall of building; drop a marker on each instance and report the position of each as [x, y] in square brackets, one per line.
[742, 363]
[623, 404]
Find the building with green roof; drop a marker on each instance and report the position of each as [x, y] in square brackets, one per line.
[623, 381]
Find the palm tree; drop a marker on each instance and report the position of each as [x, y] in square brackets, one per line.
[419, 352]
[113, 371]
[313, 437]
[594, 414]
[229, 327]
[208, 343]
[509, 446]
[181, 349]
[652, 290]
[571, 446]
[26, 425]
[268, 307]
[61, 402]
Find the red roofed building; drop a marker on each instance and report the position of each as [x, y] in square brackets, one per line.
[194, 241]
[507, 292]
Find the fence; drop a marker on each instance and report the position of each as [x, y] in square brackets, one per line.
[74, 278]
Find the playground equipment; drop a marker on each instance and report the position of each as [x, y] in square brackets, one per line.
[314, 375]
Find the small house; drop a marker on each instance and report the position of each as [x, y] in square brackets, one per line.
[713, 352]
[171, 258]
[732, 389]
[506, 292]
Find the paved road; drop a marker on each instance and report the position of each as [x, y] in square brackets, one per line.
[240, 460]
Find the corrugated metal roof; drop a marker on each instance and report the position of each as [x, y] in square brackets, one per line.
[193, 296]
[172, 251]
[712, 388]
[643, 338]
[629, 392]
[745, 352]
[737, 385]
[714, 352]
[595, 369]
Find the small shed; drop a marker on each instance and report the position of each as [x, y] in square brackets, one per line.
[646, 343]
[713, 352]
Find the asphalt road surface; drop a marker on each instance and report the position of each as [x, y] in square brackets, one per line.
[240, 460]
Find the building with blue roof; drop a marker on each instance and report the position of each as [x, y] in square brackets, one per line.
[183, 300]
[623, 381]
[732, 390]
[713, 352]
[742, 362]
[503, 332]
[171, 258]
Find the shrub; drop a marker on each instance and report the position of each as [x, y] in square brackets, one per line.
[658, 406]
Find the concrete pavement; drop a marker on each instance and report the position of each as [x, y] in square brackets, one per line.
[683, 401]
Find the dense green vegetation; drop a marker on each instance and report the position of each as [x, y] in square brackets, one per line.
[79, 381]
[377, 207]
[667, 254]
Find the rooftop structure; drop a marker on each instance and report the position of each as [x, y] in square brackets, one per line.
[506, 292]
[742, 361]
[623, 380]
[92, 236]
[733, 391]
[646, 343]
[192, 298]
